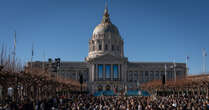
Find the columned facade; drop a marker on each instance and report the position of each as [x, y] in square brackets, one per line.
[107, 72]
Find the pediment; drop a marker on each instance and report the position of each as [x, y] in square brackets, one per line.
[108, 57]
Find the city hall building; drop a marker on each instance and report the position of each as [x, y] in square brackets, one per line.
[106, 67]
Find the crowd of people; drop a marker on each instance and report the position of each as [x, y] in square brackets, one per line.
[90, 102]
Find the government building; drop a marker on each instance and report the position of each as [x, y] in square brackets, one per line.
[106, 67]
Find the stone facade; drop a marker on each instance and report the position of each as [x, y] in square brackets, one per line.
[106, 67]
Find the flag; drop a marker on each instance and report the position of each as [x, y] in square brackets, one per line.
[165, 67]
[187, 57]
[203, 52]
[165, 70]
[174, 64]
[14, 51]
[32, 51]
[15, 40]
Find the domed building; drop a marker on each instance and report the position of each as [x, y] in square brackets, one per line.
[106, 67]
[106, 39]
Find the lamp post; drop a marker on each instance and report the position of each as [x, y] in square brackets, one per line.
[1, 67]
[57, 62]
[81, 81]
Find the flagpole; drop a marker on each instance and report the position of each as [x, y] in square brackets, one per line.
[43, 65]
[14, 51]
[174, 68]
[187, 68]
[32, 58]
[203, 65]
[165, 72]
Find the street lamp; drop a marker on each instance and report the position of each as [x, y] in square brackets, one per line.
[57, 63]
[1, 67]
[10, 91]
[81, 81]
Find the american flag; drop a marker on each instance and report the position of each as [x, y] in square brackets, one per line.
[32, 51]
[15, 40]
[204, 52]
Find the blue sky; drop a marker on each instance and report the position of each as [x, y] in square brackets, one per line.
[153, 30]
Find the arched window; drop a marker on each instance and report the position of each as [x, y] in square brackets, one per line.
[107, 87]
[100, 88]
[100, 47]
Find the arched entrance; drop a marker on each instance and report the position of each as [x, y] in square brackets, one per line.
[100, 88]
[107, 87]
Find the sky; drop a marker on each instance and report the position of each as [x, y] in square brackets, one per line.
[153, 30]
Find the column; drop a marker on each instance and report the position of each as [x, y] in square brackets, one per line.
[154, 75]
[91, 76]
[96, 72]
[172, 75]
[119, 71]
[103, 72]
[143, 74]
[111, 74]
[133, 76]
[127, 76]
[76, 75]
[103, 45]
[159, 77]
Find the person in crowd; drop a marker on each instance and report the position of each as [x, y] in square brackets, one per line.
[90, 102]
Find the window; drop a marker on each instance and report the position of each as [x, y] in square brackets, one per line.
[113, 48]
[157, 74]
[106, 47]
[107, 71]
[115, 71]
[146, 75]
[135, 76]
[141, 76]
[100, 47]
[100, 71]
[162, 73]
[99, 41]
[118, 48]
[151, 75]
[130, 76]
[93, 48]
